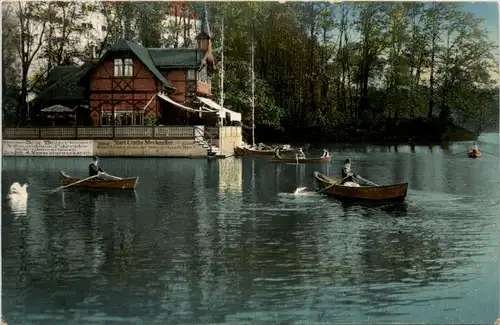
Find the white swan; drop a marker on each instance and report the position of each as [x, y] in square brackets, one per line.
[18, 199]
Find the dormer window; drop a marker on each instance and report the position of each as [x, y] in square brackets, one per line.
[123, 67]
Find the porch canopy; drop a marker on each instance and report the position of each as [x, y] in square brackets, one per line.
[173, 102]
[234, 116]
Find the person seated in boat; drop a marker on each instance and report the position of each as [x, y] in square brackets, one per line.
[474, 147]
[348, 174]
[94, 168]
[277, 153]
[300, 154]
[325, 153]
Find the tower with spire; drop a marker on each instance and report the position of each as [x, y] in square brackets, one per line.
[204, 38]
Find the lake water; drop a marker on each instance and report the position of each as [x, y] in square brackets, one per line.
[226, 241]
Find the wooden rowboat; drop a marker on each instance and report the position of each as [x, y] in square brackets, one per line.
[256, 151]
[293, 160]
[331, 186]
[97, 183]
[474, 153]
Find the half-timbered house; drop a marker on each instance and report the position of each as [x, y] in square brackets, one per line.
[134, 85]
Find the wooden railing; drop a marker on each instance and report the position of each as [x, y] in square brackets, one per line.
[99, 132]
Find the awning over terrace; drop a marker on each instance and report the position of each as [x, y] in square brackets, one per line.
[234, 116]
[171, 101]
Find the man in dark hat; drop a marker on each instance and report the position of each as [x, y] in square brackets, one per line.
[348, 174]
[94, 168]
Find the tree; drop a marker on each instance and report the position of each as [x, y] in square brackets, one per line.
[29, 38]
[10, 71]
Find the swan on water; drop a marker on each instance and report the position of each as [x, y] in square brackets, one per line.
[18, 198]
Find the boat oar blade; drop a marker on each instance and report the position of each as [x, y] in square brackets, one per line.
[490, 153]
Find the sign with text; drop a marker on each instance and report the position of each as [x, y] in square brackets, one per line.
[149, 148]
[139, 144]
[51, 148]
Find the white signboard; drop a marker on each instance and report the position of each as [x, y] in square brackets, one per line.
[51, 148]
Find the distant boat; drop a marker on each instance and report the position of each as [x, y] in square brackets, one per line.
[261, 150]
[471, 153]
[326, 157]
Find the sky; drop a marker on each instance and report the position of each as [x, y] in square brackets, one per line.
[489, 12]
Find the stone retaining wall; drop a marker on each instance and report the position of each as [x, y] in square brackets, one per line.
[104, 148]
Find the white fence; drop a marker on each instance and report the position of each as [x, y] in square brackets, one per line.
[99, 132]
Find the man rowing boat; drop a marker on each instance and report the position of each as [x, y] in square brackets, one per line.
[348, 174]
[474, 147]
[300, 154]
[95, 169]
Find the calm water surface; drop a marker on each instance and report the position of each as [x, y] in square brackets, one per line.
[227, 241]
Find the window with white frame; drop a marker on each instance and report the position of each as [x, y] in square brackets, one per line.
[191, 74]
[123, 67]
[203, 75]
[128, 68]
[118, 67]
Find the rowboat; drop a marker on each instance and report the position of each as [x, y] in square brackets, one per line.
[260, 150]
[326, 157]
[471, 153]
[97, 183]
[332, 187]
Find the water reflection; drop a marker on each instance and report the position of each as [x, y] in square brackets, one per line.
[227, 241]
[230, 174]
[395, 209]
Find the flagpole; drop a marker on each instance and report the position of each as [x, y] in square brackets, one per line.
[253, 96]
[221, 111]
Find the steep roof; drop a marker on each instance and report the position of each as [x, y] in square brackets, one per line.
[167, 58]
[205, 27]
[59, 72]
[66, 87]
[143, 55]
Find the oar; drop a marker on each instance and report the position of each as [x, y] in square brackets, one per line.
[82, 180]
[490, 153]
[370, 182]
[459, 153]
[331, 185]
[111, 176]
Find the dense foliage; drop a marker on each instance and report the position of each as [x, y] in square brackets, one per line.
[322, 69]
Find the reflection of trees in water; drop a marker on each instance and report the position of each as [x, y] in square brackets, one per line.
[73, 251]
[394, 209]
[222, 268]
[15, 251]
[282, 249]
[393, 257]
